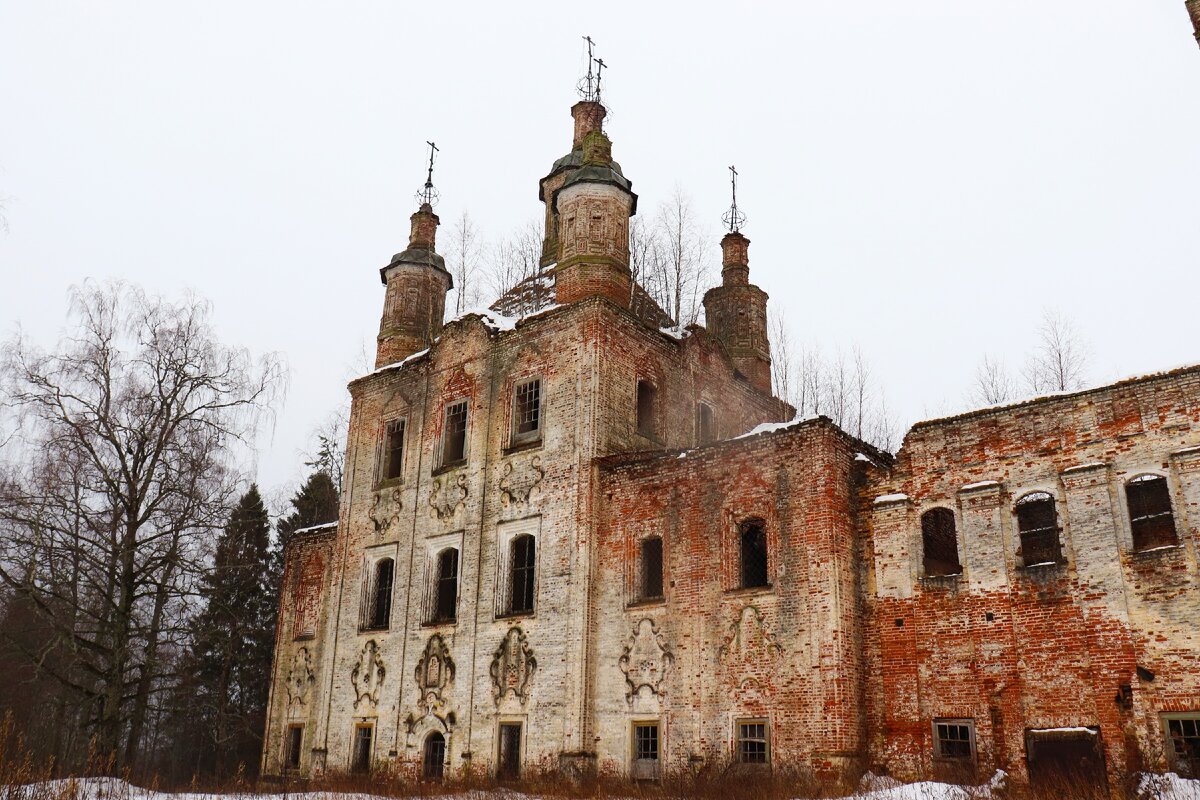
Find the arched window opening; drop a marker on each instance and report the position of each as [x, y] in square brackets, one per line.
[379, 610]
[647, 397]
[446, 589]
[1037, 522]
[939, 542]
[706, 424]
[753, 554]
[434, 766]
[651, 583]
[1150, 516]
[523, 561]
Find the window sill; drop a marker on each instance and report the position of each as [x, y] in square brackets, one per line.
[450, 467]
[509, 615]
[647, 602]
[750, 590]
[377, 629]
[440, 623]
[388, 483]
[1043, 567]
[304, 637]
[1158, 551]
[520, 447]
[941, 581]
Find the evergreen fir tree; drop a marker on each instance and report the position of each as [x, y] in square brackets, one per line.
[227, 671]
[315, 504]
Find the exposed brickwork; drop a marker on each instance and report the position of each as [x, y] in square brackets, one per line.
[1193, 7]
[847, 656]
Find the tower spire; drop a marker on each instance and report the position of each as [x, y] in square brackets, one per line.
[733, 218]
[428, 196]
[589, 84]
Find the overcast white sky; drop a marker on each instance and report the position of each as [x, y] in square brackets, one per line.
[921, 178]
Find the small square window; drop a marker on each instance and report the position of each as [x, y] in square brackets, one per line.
[753, 745]
[1183, 742]
[393, 450]
[954, 739]
[527, 412]
[454, 434]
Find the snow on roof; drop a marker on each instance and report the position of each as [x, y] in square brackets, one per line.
[890, 498]
[1085, 467]
[1068, 729]
[772, 427]
[979, 485]
[324, 526]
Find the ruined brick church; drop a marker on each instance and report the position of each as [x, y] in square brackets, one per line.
[575, 538]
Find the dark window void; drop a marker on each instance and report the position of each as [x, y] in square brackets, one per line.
[527, 411]
[434, 761]
[651, 587]
[454, 441]
[647, 401]
[509, 761]
[753, 555]
[523, 560]
[706, 424]
[1184, 736]
[1150, 516]
[1059, 759]
[645, 751]
[381, 594]
[393, 456]
[446, 599]
[360, 758]
[1037, 521]
[940, 542]
[294, 743]
[954, 739]
[752, 742]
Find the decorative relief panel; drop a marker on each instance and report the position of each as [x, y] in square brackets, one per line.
[749, 640]
[513, 666]
[385, 510]
[307, 598]
[434, 672]
[368, 674]
[300, 678]
[447, 495]
[519, 480]
[645, 661]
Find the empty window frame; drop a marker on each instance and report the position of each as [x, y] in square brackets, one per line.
[295, 740]
[939, 542]
[646, 751]
[647, 402]
[522, 574]
[508, 756]
[752, 554]
[527, 411]
[1183, 742]
[954, 739]
[379, 595]
[433, 766]
[650, 569]
[393, 450]
[360, 749]
[752, 742]
[706, 424]
[445, 587]
[454, 433]
[1037, 523]
[1150, 518]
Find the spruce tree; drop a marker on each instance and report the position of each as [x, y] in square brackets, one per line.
[227, 671]
[315, 504]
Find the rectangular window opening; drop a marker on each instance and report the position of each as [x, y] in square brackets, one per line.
[646, 754]
[954, 739]
[753, 746]
[523, 569]
[527, 411]
[706, 424]
[1183, 740]
[647, 396]
[651, 587]
[509, 756]
[360, 761]
[393, 456]
[454, 435]
[1150, 518]
[295, 741]
[753, 555]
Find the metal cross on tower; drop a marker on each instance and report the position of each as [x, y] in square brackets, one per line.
[733, 218]
[600, 65]
[589, 85]
[428, 194]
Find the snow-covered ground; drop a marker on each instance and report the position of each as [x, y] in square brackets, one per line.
[1151, 787]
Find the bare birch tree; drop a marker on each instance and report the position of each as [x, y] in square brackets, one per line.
[1059, 363]
[517, 258]
[464, 253]
[993, 384]
[110, 492]
[677, 260]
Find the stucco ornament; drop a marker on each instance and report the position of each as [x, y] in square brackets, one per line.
[513, 666]
[447, 496]
[645, 661]
[368, 674]
[434, 672]
[300, 677]
[385, 510]
[519, 480]
[749, 639]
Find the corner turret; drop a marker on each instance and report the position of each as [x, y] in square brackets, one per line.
[415, 302]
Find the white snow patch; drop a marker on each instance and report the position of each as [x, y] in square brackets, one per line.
[398, 364]
[979, 485]
[863, 457]
[890, 498]
[675, 332]
[1187, 451]
[324, 526]
[1168, 787]
[1161, 547]
[772, 427]
[1085, 467]
[1069, 729]
[1031, 566]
